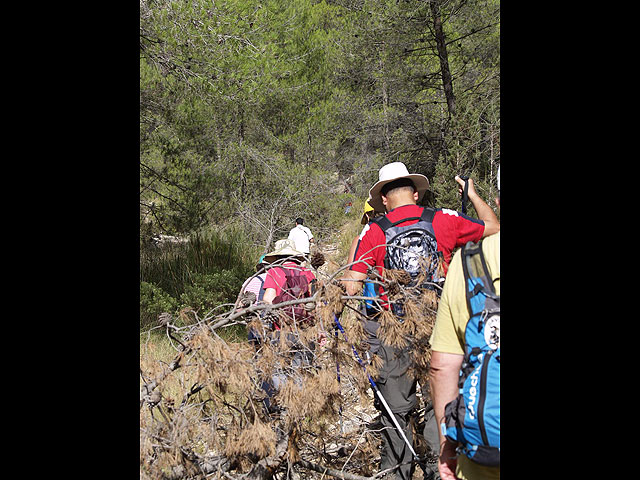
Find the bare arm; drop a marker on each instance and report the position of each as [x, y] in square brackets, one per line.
[443, 378]
[269, 295]
[443, 381]
[484, 211]
[352, 250]
[352, 281]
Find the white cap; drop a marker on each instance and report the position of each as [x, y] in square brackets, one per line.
[498, 178]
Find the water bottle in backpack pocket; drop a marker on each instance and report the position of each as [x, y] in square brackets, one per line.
[473, 418]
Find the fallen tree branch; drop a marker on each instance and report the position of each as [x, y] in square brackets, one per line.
[218, 400]
[344, 475]
[331, 471]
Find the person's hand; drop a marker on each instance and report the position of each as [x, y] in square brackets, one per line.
[470, 192]
[447, 461]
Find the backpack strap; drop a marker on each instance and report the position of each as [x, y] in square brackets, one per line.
[303, 231]
[427, 214]
[261, 291]
[384, 223]
[474, 267]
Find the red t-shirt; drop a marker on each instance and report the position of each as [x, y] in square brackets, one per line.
[276, 277]
[452, 229]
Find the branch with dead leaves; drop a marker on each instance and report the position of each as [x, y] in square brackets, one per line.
[205, 413]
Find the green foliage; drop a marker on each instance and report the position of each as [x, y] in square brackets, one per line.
[172, 266]
[445, 188]
[154, 301]
[203, 273]
[253, 113]
[210, 290]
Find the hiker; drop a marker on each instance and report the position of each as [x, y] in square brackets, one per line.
[449, 348]
[285, 259]
[368, 308]
[287, 279]
[398, 192]
[301, 236]
[252, 289]
[252, 292]
[368, 214]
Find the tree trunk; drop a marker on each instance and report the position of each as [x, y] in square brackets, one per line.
[441, 44]
[385, 102]
[243, 160]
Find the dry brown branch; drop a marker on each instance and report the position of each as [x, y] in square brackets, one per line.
[205, 415]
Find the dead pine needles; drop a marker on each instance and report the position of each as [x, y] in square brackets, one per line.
[291, 403]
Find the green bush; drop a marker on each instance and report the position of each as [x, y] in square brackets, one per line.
[153, 301]
[204, 273]
[210, 290]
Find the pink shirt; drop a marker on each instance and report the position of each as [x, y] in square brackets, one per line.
[254, 284]
[276, 277]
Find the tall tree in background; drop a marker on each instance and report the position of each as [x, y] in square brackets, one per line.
[254, 112]
[441, 44]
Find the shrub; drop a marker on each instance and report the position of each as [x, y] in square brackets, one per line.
[210, 290]
[203, 273]
[153, 301]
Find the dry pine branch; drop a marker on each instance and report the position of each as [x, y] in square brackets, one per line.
[204, 413]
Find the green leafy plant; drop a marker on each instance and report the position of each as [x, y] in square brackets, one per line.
[210, 290]
[153, 301]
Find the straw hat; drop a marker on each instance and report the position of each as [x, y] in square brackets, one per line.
[284, 248]
[393, 171]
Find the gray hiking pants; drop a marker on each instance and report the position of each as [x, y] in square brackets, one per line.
[399, 390]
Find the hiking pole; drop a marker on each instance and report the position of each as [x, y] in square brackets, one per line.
[382, 400]
[338, 375]
[465, 193]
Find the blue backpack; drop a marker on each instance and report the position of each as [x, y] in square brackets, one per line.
[473, 418]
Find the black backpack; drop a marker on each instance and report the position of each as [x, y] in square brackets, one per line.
[414, 249]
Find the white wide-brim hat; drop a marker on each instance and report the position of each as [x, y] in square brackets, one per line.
[284, 248]
[389, 173]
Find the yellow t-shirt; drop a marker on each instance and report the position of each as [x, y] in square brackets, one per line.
[448, 331]
[451, 320]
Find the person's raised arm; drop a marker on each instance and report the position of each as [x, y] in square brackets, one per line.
[484, 211]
